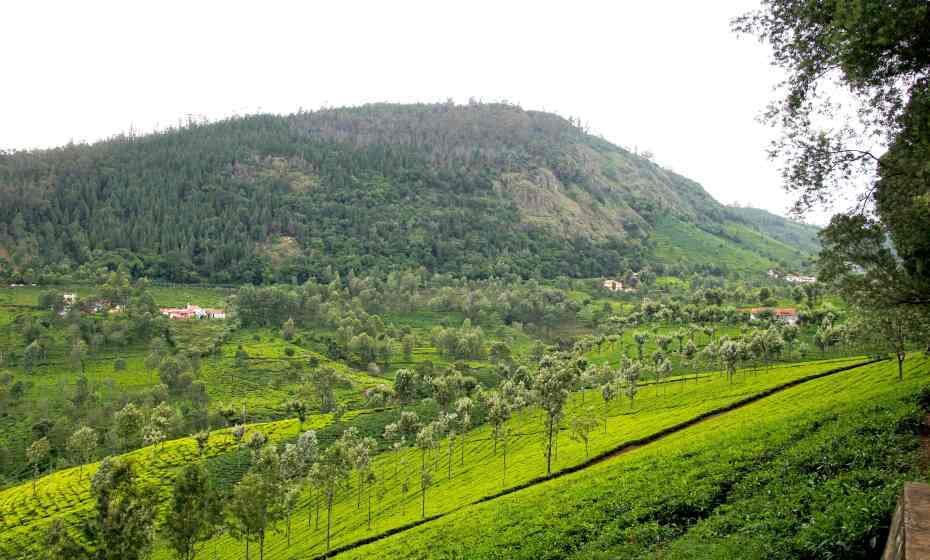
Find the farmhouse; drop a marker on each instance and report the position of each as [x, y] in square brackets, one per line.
[615, 286]
[787, 315]
[192, 312]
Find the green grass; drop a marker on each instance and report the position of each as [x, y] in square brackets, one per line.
[680, 243]
[810, 472]
[481, 475]
[763, 245]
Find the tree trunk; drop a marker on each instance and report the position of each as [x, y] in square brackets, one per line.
[369, 511]
[422, 486]
[901, 357]
[450, 457]
[329, 518]
[549, 450]
[261, 545]
[505, 460]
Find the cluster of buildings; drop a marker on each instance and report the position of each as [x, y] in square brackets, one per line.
[793, 278]
[192, 312]
[96, 306]
[616, 286]
[787, 315]
[88, 306]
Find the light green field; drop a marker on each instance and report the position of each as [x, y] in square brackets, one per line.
[656, 408]
[811, 472]
[66, 493]
[481, 475]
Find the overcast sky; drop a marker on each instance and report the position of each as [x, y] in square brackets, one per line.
[667, 76]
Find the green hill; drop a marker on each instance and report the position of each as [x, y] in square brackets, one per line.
[476, 190]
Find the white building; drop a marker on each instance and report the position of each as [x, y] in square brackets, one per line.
[799, 279]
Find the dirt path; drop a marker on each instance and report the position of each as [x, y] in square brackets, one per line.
[630, 446]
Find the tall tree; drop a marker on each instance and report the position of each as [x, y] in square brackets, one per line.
[426, 440]
[82, 444]
[551, 387]
[38, 454]
[257, 500]
[127, 428]
[878, 55]
[125, 512]
[194, 512]
[330, 474]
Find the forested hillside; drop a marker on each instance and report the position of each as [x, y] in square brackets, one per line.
[478, 190]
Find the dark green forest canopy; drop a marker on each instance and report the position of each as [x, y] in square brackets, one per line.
[478, 190]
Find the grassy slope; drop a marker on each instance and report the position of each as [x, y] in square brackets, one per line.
[481, 474]
[794, 234]
[681, 243]
[707, 491]
[766, 246]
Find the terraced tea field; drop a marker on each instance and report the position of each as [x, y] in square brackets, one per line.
[480, 474]
[810, 472]
[66, 493]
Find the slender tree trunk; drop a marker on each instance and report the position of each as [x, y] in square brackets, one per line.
[369, 511]
[901, 357]
[261, 545]
[505, 460]
[289, 529]
[549, 450]
[247, 547]
[423, 486]
[329, 517]
[450, 457]
[462, 446]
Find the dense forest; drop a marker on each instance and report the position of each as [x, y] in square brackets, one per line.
[478, 190]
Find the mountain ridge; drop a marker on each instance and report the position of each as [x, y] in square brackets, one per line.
[475, 190]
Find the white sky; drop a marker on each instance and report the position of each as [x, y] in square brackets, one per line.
[667, 76]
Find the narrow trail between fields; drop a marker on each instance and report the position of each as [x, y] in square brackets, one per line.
[617, 451]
